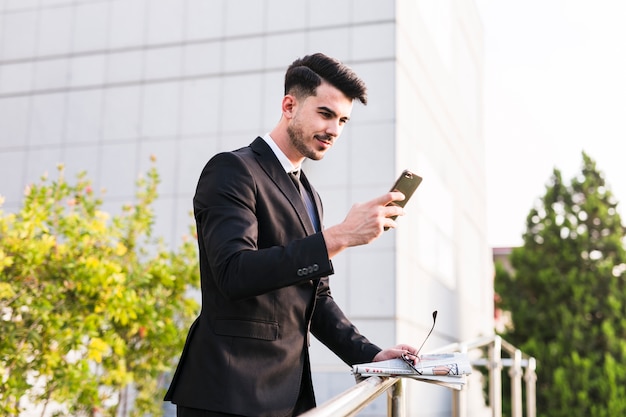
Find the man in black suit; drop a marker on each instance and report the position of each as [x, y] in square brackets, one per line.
[265, 260]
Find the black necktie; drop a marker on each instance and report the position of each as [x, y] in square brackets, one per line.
[295, 177]
[306, 198]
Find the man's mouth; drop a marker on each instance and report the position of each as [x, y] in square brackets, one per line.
[325, 139]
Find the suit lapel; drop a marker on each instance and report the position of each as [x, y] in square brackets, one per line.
[275, 172]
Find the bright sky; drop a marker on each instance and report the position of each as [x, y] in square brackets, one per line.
[555, 86]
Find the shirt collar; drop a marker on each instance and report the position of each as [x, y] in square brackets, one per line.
[282, 158]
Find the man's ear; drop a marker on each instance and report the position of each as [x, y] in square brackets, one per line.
[289, 105]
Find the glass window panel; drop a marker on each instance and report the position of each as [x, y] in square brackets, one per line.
[195, 153]
[376, 41]
[127, 23]
[125, 66]
[200, 108]
[83, 116]
[319, 16]
[16, 78]
[163, 63]
[50, 74]
[42, 161]
[48, 3]
[205, 20]
[47, 119]
[365, 147]
[375, 11]
[165, 22]
[121, 113]
[14, 121]
[381, 90]
[160, 110]
[82, 158]
[201, 59]
[19, 34]
[11, 175]
[12, 5]
[243, 54]
[238, 23]
[54, 30]
[87, 70]
[378, 294]
[166, 153]
[271, 98]
[283, 48]
[90, 26]
[237, 114]
[118, 183]
[334, 42]
[289, 15]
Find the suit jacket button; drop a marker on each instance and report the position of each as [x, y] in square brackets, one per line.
[300, 272]
[315, 267]
[310, 270]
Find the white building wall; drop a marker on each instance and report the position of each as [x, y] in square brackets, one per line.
[100, 85]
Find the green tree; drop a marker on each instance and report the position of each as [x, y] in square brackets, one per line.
[92, 307]
[567, 297]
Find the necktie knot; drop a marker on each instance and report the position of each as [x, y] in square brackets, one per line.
[295, 177]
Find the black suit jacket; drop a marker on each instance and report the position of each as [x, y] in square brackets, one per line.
[264, 277]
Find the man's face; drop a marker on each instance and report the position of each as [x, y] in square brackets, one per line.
[318, 121]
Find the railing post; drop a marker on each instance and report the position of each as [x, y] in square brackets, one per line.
[459, 397]
[531, 381]
[495, 377]
[395, 400]
[516, 384]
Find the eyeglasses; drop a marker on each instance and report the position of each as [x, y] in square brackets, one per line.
[405, 356]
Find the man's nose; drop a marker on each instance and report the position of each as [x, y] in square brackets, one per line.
[333, 129]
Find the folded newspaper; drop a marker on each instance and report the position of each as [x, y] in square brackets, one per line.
[448, 369]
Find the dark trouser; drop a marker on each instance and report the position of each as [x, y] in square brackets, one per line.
[194, 412]
[301, 407]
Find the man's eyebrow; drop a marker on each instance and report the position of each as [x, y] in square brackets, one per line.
[327, 110]
[332, 112]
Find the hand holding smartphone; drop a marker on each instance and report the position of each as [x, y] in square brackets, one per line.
[406, 183]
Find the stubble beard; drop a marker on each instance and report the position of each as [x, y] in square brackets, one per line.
[296, 137]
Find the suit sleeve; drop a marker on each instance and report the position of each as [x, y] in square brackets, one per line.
[231, 206]
[331, 327]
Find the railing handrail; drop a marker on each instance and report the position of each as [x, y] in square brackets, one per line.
[478, 343]
[353, 400]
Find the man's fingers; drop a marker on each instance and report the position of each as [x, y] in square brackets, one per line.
[387, 198]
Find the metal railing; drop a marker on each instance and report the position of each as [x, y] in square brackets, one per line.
[353, 400]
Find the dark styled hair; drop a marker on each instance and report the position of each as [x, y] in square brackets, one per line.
[305, 74]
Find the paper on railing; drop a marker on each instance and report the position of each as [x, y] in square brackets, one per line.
[444, 368]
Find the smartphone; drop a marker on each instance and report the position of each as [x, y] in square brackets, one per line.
[406, 183]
